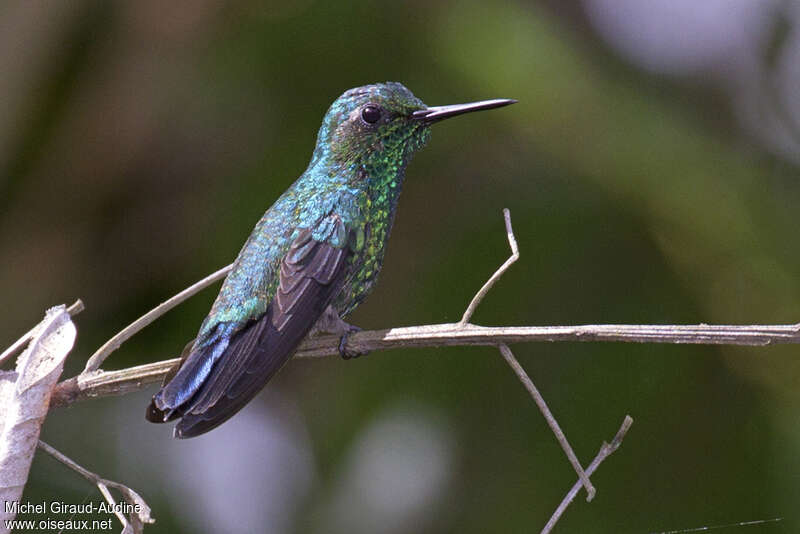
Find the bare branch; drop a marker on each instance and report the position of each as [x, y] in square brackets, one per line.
[548, 416]
[109, 383]
[139, 510]
[126, 333]
[105, 383]
[476, 300]
[454, 334]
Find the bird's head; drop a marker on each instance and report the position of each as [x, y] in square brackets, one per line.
[380, 126]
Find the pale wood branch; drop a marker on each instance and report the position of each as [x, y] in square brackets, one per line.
[106, 383]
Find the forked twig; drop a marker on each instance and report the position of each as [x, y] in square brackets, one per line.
[476, 300]
[606, 449]
[517, 368]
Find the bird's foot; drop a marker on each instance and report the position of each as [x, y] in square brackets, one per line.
[347, 353]
[331, 323]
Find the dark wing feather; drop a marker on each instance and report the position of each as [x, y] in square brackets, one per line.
[231, 365]
[311, 275]
[153, 413]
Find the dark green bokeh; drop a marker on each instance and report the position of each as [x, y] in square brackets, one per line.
[145, 141]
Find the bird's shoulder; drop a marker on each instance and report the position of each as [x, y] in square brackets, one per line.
[288, 229]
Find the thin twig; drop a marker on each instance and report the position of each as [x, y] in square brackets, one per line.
[140, 511]
[476, 300]
[548, 416]
[126, 333]
[605, 451]
[74, 309]
[113, 502]
[69, 462]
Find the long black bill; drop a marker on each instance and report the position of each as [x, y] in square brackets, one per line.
[437, 113]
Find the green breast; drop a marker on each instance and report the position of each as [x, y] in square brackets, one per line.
[370, 237]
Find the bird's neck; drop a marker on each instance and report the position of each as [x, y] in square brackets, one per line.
[384, 182]
[376, 181]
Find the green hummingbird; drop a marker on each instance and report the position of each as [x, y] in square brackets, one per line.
[311, 259]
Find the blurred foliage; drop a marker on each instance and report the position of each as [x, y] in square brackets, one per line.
[142, 140]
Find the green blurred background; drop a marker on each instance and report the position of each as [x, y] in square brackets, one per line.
[651, 169]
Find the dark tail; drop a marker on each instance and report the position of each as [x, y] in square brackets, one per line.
[153, 414]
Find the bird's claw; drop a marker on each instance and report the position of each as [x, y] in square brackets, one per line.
[345, 352]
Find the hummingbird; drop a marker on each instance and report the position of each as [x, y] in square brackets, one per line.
[311, 259]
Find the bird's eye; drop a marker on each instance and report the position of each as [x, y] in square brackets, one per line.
[371, 114]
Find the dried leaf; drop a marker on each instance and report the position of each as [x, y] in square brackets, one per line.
[25, 398]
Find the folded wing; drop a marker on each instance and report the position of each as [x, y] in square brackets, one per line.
[311, 274]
